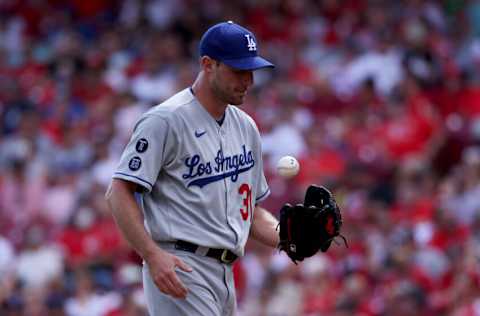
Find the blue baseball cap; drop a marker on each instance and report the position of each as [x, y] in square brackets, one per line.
[233, 45]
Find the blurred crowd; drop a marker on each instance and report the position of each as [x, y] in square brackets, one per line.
[379, 101]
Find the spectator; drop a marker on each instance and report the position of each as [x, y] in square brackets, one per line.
[7, 271]
[86, 302]
[39, 263]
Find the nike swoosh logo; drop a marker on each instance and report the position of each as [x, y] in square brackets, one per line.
[198, 134]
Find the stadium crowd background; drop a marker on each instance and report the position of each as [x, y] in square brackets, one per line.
[379, 100]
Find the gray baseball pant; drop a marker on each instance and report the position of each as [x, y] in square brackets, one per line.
[211, 290]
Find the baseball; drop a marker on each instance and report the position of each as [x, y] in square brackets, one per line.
[288, 166]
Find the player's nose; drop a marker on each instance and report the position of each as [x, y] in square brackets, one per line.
[248, 78]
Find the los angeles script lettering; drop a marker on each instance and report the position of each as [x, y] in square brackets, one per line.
[221, 164]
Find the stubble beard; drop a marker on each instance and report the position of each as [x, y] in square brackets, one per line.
[223, 95]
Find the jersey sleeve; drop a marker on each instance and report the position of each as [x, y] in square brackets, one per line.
[146, 152]
[262, 190]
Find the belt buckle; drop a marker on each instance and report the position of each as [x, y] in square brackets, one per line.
[224, 259]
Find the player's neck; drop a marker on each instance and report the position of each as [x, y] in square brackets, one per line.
[205, 97]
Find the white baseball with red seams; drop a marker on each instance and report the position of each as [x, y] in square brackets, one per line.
[288, 167]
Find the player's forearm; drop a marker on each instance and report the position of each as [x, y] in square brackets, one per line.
[129, 218]
[264, 227]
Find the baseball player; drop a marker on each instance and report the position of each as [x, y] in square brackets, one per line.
[196, 161]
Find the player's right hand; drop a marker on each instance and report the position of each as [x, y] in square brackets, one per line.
[162, 270]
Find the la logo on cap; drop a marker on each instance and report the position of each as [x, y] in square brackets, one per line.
[252, 46]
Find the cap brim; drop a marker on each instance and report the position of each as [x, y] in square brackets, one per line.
[248, 63]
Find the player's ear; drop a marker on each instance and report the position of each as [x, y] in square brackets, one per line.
[207, 64]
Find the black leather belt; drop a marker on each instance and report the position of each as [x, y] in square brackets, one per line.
[222, 255]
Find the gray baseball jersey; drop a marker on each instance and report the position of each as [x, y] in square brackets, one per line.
[201, 179]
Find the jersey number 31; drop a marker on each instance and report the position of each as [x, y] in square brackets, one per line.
[246, 193]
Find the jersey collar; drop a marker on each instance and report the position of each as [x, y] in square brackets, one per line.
[222, 123]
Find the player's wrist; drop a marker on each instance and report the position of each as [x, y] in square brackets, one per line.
[151, 252]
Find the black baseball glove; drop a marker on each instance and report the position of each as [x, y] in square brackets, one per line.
[311, 226]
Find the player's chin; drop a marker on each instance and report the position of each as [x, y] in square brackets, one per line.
[236, 102]
[238, 99]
